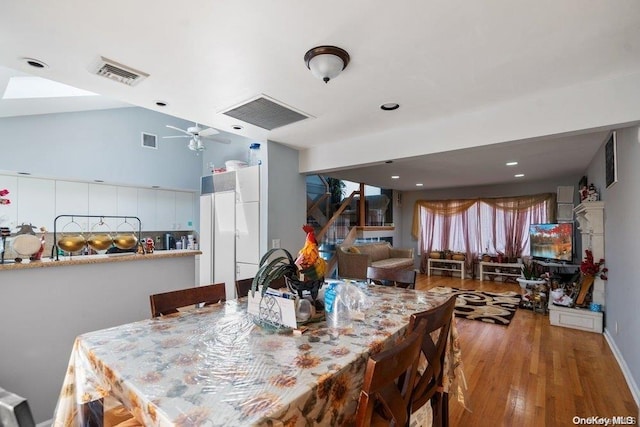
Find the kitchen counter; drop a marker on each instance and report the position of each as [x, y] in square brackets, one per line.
[45, 304]
[95, 259]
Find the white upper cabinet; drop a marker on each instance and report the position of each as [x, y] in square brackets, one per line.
[41, 200]
[103, 200]
[127, 205]
[248, 184]
[37, 202]
[9, 213]
[72, 198]
[147, 209]
[165, 210]
[184, 210]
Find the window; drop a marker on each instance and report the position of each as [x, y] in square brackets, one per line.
[484, 225]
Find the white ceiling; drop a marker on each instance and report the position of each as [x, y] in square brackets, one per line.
[526, 72]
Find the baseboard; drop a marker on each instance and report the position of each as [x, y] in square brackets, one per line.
[635, 392]
[47, 423]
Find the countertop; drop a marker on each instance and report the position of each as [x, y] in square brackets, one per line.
[94, 259]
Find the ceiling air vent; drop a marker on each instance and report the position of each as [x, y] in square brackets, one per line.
[118, 72]
[266, 113]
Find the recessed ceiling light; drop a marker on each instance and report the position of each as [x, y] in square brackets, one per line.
[24, 173]
[98, 180]
[155, 186]
[36, 63]
[395, 176]
[389, 106]
[236, 127]
[389, 161]
[161, 103]
[511, 163]
[519, 175]
[419, 184]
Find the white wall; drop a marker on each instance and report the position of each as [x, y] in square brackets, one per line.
[101, 144]
[622, 234]
[287, 210]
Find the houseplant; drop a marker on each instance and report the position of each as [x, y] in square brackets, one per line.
[589, 269]
[530, 275]
[273, 268]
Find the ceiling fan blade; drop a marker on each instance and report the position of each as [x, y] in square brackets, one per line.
[178, 129]
[178, 136]
[207, 132]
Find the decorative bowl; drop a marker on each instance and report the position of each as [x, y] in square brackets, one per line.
[125, 241]
[72, 242]
[100, 242]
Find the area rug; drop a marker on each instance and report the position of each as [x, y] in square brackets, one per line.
[490, 307]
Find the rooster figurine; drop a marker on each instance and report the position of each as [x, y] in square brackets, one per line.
[309, 261]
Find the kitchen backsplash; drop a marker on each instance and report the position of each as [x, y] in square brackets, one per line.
[156, 236]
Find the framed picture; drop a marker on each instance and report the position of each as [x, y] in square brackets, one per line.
[611, 167]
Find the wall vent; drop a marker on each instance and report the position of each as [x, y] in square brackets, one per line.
[119, 73]
[149, 140]
[266, 113]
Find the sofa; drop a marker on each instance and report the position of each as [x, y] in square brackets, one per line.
[354, 260]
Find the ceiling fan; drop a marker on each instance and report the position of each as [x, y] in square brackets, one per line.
[196, 135]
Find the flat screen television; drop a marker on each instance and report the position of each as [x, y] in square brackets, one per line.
[552, 242]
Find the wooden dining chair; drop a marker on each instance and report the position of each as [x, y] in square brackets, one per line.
[169, 302]
[428, 386]
[243, 286]
[392, 277]
[385, 398]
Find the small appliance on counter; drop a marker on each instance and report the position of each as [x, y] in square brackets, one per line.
[169, 241]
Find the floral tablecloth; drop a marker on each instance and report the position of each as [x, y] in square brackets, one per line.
[214, 366]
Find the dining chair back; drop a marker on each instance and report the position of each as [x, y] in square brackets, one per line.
[428, 386]
[14, 410]
[392, 276]
[385, 398]
[243, 286]
[169, 302]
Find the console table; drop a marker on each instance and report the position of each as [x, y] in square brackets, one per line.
[556, 265]
[446, 265]
[504, 269]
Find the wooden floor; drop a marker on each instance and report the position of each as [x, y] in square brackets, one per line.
[531, 373]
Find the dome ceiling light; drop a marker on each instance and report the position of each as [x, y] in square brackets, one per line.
[326, 62]
[390, 106]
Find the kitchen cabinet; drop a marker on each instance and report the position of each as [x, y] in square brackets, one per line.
[184, 210]
[9, 213]
[165, 210]
[103, 200]
[71, 198]
[37, 204]
[127, 205]
[147, 208]
[41, 200]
